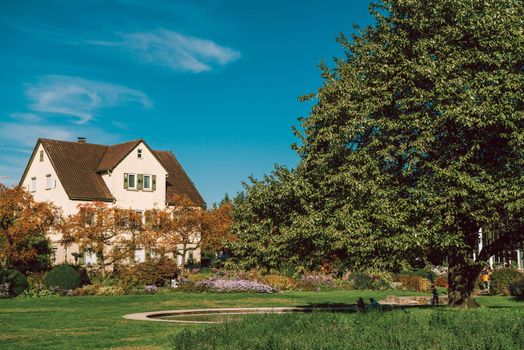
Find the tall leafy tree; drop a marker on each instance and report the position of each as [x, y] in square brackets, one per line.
[416, 140]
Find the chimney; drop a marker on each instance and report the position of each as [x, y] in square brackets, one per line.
[82, 140]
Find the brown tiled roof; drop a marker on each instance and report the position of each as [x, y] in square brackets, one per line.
[75, 165]
[114, 155]
[177, 180]
[79, 167]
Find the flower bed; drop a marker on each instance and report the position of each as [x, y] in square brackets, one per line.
[222, 285]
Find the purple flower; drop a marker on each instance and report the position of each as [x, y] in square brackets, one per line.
[234, 285]
[150, 289]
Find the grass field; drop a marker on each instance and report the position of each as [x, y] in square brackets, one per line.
[96, 322]
[410, 328]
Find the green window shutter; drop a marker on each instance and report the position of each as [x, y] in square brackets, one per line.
[126, 181]
[153, 184]
[140, 183]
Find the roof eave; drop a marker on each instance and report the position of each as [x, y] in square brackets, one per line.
[91, 199]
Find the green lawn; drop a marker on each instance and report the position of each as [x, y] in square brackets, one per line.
[96, 322]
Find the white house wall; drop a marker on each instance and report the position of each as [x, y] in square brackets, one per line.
[55, 195]
[138, 199]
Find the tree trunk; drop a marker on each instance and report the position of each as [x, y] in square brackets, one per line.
[183, 261]
[462, 278]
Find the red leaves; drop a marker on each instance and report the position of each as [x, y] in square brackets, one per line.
[20, 219]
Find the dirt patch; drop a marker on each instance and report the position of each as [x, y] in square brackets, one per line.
[7, 337]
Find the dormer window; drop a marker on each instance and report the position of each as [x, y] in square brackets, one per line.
[139, 153]
[41, 156]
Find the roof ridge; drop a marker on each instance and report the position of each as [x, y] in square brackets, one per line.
[42, 139]
[122, 143]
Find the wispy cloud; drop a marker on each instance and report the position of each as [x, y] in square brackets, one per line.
[174, 50]
[24, 135]
[78, 97]
[26, 117]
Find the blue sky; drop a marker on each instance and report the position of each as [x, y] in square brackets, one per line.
[216, 81]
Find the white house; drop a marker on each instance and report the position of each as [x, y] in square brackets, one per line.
[129, 175]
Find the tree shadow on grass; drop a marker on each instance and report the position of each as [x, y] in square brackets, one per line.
[352, 308]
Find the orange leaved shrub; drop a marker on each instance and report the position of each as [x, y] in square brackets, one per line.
[414, 283]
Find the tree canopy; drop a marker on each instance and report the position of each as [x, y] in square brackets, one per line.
[416, 141]
[23, 226]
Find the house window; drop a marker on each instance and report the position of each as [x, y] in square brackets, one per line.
[132, 181]
[139, 153]
[147, 182]
[41, 156]
[140, 213]
[90, 258]
[140, 255]
[33, 184]
[89, 218]
[49, 182]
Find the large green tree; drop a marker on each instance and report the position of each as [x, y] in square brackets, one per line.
[416, 141]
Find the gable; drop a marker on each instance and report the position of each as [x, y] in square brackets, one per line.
[114, 155]
[177, 181]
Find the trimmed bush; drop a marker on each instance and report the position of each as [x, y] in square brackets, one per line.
[425, 273]
[414, 283]
[501, 280]
[64, 277]
[441, 281]
[363, 280]
[315, 282]
[279, 282]
[16, 280]
[84, 277]
[516, 289]
[157, 272]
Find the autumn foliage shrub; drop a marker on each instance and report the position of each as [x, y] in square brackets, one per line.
[501, 280]
[279, 282]
[441, 281]
[414, 283]
[64, 277]
[157, 272]
[15, 280]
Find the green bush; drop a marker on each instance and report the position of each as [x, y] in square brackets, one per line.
[64, 277]
[84, 277]
[516, 289]
[365, 280]
[16, 280]
[360, 280]
[501, 280]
